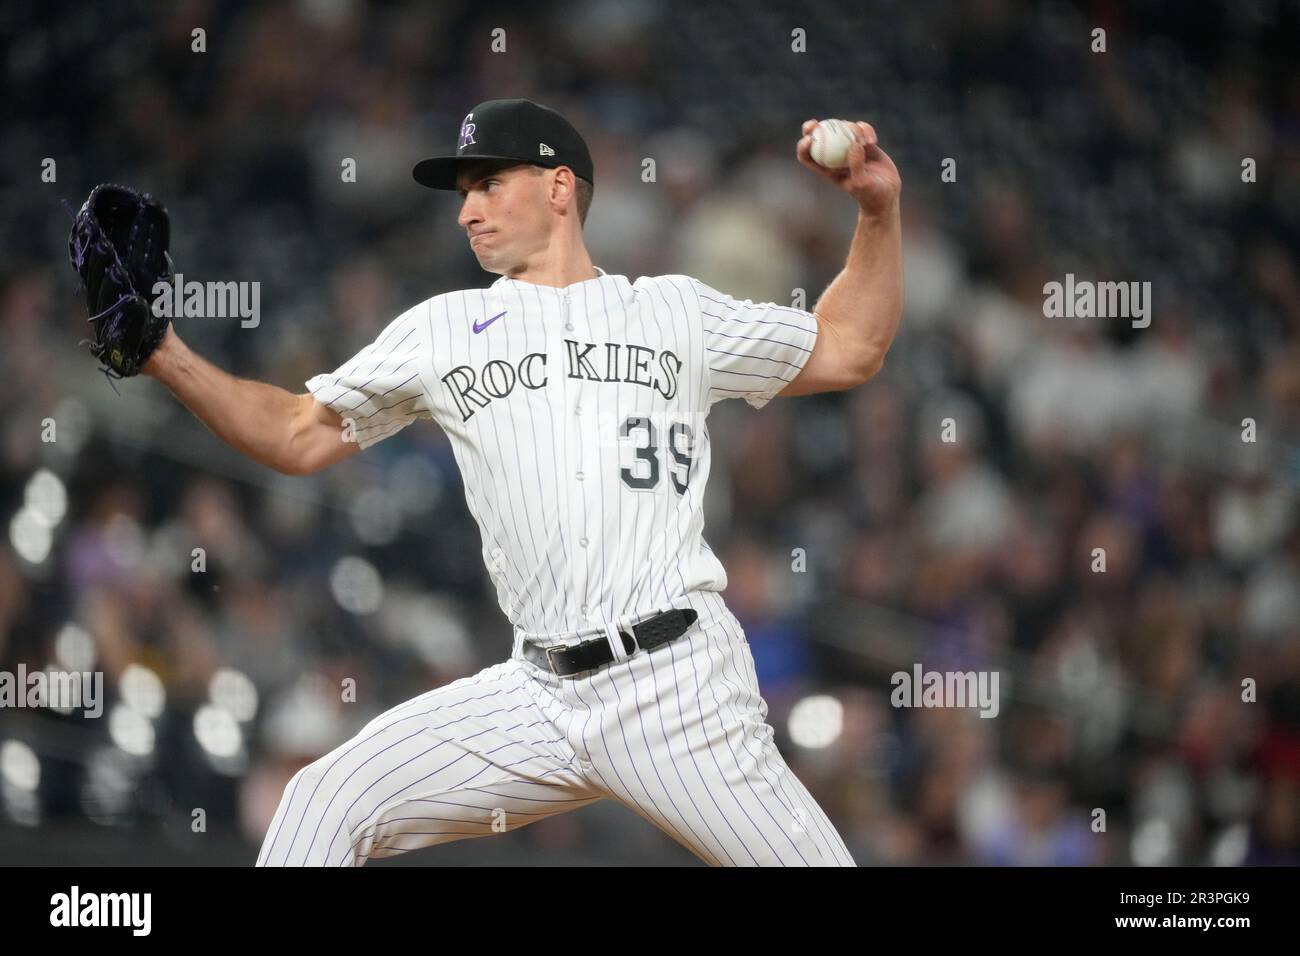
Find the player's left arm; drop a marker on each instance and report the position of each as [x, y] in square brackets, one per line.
[858, 314]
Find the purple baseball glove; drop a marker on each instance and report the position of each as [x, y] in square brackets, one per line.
[118, 246]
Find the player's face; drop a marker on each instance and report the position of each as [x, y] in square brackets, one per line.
[507, 208]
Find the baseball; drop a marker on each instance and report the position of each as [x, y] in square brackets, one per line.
[831, 140]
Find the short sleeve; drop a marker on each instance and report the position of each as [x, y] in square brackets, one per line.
[753, 350]
[379, 389]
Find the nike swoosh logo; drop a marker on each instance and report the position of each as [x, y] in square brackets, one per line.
[480, 326]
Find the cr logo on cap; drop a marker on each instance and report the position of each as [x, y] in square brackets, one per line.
[466, 131]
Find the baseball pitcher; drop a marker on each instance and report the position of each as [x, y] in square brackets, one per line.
[575, 402]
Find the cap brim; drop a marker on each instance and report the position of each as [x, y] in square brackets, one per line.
[440, 171]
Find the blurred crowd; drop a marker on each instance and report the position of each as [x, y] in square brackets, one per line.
[1151, 710]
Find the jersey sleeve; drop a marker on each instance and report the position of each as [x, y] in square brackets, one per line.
[379, 389]
[753, 349]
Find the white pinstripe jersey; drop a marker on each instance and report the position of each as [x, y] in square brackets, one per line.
[577, 417]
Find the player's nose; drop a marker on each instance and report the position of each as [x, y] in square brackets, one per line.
[469, 213]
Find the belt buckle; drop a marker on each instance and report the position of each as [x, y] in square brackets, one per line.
[551, 661]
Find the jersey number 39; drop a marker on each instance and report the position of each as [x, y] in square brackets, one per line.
[679, 470]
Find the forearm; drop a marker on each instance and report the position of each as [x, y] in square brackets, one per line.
[864, 303]
[256, 419]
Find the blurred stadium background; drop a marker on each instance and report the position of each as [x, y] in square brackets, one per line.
[1120, 690]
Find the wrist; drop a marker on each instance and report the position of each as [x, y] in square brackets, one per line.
[879, 218]
[165, 357]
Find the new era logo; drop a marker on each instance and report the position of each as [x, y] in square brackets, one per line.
[544, 150]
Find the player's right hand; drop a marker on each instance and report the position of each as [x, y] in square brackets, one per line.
[871, 177]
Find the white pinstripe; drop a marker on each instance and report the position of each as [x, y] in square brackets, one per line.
[584, 533]
[676, 734]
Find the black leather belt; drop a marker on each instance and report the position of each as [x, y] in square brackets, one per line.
[650, 633]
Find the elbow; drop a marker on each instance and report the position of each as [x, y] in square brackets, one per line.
[870, 356]
[315, 448]
[300, 454]
[873, 368]
[866, 367]
[295, 467]
[316, 438]
[291, 460]
[306, 455]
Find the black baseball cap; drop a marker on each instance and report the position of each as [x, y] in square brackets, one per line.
[521, 130]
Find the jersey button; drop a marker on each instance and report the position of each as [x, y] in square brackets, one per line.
[577, 409]
[568, 326]
[582, 542]
[579, 476]
[584, 609]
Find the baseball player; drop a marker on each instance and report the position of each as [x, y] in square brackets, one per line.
[575, 402]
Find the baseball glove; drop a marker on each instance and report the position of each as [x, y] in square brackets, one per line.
[118, 246]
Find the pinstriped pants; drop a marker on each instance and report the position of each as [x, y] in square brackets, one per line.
[677, 734]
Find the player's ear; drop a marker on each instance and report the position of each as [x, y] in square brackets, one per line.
[563, 185]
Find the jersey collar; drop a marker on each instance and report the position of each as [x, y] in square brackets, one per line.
[504, 279]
